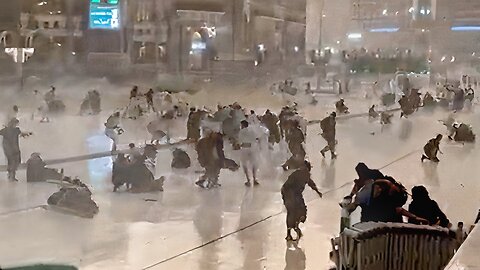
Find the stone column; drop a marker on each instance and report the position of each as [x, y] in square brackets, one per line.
[70, 27]
[313, 33]
[237, 12]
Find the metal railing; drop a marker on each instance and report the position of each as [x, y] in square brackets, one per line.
[394, 246]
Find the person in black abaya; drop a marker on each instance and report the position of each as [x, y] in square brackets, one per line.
[426, 208]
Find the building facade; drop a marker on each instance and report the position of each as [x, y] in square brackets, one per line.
[49, 33]
[194, 35]
[173, 35]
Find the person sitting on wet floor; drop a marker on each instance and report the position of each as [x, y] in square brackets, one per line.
[463, 133]
[37, 171]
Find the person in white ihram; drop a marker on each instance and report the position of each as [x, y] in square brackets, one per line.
[41, 107]
[249, 143]
[113, 129]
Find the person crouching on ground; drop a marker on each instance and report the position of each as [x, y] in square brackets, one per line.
[38, 172]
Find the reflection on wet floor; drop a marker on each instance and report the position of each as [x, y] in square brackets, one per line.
[294, 257]
[168, 230]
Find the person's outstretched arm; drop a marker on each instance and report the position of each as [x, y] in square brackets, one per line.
[404, 212]
[314, 187]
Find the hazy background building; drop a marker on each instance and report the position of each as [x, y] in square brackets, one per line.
[213, 35]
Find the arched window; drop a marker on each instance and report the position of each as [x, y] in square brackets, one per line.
[142, 51]
[29, 42]
[5, 39]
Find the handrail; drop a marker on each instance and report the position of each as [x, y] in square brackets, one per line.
[402, 246]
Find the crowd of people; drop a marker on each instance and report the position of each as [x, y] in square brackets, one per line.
[450, 96]
[248, 134]
[232, 137]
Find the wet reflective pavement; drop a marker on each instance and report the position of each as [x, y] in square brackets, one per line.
[232, 227]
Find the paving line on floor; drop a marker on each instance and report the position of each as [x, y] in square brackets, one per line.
[264, 219]
[400, 158]
[208, 243]
[42, 206]
[381, 168]
[23, 166]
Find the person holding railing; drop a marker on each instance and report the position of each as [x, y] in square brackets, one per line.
[427, 208]
[388, 197]
[381, 201]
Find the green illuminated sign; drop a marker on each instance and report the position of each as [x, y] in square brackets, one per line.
[104, 14]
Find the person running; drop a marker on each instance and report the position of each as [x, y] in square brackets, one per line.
[295, 139]
[328, 125]
[270, 121]
[113, 129]
[211, 157]
[149, 98]
[134, 92]
[292, 195]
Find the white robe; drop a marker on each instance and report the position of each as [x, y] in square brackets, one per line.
[249, 155]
